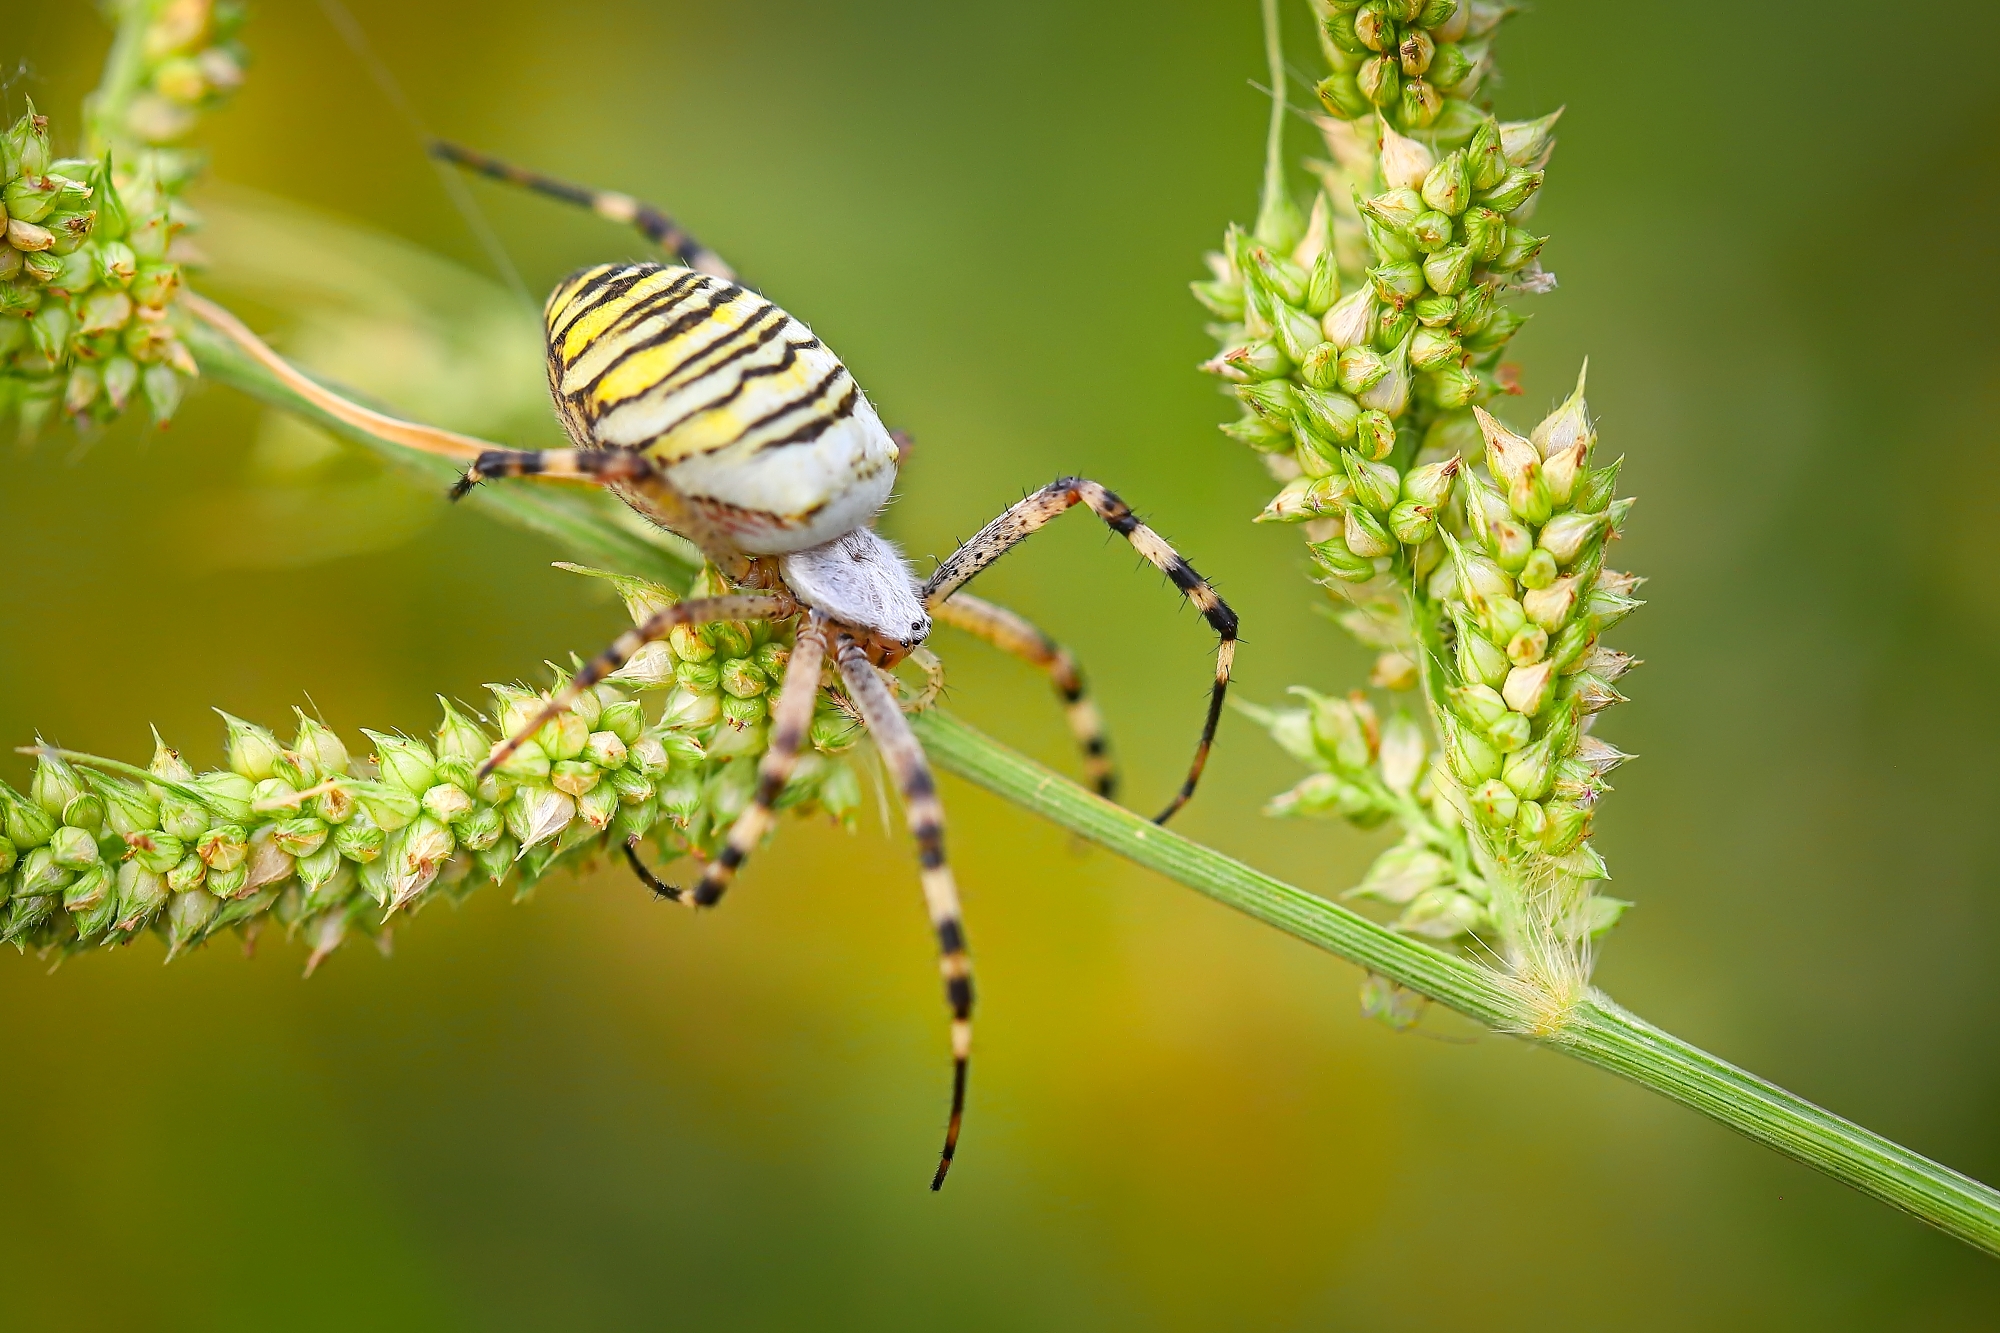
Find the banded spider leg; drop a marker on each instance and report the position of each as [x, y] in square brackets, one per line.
[1057, 498]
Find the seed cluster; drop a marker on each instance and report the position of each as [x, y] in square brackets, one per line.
[92, 256]
[1338, 390]
[1364, 343]
[97, 853]
[1417, 62]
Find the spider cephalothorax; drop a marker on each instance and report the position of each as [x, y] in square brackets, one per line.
[717, 415]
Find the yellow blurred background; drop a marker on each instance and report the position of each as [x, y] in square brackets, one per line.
[591, 1111]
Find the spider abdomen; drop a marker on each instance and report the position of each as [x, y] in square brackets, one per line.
[761, 435]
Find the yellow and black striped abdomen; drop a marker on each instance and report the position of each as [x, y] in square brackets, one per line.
[763, 436]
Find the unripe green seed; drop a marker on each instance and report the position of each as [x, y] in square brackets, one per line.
[1495, 803]
[1448, 186]
[605, 750]
[1510, 731]
[1447, 271]
[598, 806]
[538, 813]
[360, 839]
[141, 893]
[742, 713]
[1513, 190]
[85, 811]
[573, 777]
[1375, 25]
[316, 870]
[41, 874]
[1478, 704]
[188, 916]
[1511, 544]
[1527, 645]
[481, 828]
[1334, 557]
[187, 873]
[1501, 617]
[1449, 67]
[73, 848]
[1471, 758]
[1365, 535]
[447, 802]
[624, 720]
[1478, 659]
[90, 889]
[1431, 231]
[1411, 523]
[54, 785]
[1351, 321]
[408, 764]
[1519, 248]
[223, 847]
[631, 785]
[227, 883]
[529, 761]
[1433, 348]
[1360, 368]
[1525, 141]
[231, 795]
[28, 913]
[1430, 484]
[742, 679]
[1374, 484]
[1341, 95]
[1400, 280]
[1566, 534]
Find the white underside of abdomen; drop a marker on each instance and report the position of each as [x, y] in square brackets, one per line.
[774, 499]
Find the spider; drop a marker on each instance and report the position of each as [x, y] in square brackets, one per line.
[713, 413]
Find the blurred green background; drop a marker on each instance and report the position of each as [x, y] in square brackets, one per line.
[1773, 227]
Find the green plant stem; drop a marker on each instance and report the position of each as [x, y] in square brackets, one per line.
[1594, 1030]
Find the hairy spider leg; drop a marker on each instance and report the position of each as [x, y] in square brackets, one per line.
[1014, 634]
[651, 223]
[1058, 497]
[410, 434]
[905, 758]
[598, 465]
[790, 721]
[645, 873]
[695, 611]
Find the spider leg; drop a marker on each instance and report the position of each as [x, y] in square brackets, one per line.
[599, 465]
[411, 434]
[1011, 633]
[695, 611]
[899, 748]
[645, 872]
[650, 222]
[1058, 497]
[789, 721]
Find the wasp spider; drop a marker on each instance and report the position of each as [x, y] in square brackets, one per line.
[717, 415]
